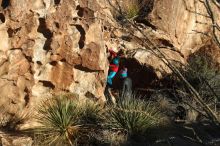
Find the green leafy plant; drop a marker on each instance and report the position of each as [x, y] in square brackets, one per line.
[132, 9]
[128, 9]
[134, 115]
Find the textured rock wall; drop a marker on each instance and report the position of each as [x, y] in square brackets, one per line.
[48, 47]
[183, 22]
[179, 28]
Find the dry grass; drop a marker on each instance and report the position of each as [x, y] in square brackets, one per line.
[131, 8]
[11, 120]
[128, 8]
[111, 137]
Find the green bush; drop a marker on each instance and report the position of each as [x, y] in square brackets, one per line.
[135, 116]
[203, 75]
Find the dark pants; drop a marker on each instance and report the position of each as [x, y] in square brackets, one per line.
[126, 87]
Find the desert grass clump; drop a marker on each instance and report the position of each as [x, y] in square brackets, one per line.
[11, 120]
[128, 9]
[131, 8]
[114, 137]
[90, 112]
[59, 120]
[135, 116]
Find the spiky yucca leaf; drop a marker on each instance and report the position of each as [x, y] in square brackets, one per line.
[59, 121]
[135, 115]
[90, 112]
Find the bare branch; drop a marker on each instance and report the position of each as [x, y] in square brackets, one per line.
[216, 4]
[206, 34]
[214, 24]
[217, 26]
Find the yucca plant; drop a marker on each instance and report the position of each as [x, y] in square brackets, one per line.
[90, 112]
[66, 121]
[59, 120]
[134, 115]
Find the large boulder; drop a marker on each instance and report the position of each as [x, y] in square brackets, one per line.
[50, 47]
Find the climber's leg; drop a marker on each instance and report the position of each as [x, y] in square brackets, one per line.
[127, 87]
[109, 97]
[107, 92]
[110, 78]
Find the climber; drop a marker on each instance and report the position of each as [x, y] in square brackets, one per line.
[114, 65]
[126, 82]
[113, 69]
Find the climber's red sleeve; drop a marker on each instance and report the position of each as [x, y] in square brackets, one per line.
[113, 67]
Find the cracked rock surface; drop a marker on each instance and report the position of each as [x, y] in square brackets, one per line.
[48, 47]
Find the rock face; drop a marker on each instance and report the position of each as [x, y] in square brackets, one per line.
[183, 23]
[15, 140]
[48, 47]
[177, 28]
[53, 46]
